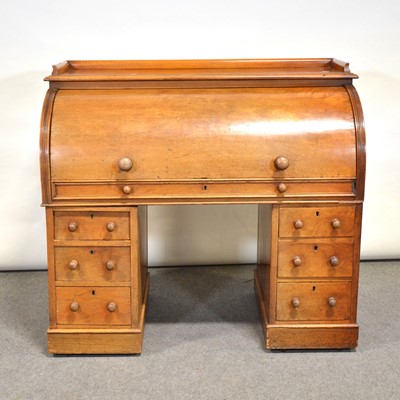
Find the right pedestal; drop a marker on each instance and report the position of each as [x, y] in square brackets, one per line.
[306, 279]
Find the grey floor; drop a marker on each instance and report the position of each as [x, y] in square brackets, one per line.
[203, 340]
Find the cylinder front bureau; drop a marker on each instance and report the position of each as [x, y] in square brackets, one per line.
[118, 136]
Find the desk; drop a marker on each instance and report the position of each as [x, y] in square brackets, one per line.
[117, 136]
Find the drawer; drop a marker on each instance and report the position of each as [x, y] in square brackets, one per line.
[91, 225]
[105, 264]
[204, 189]
[175, 134]
[316, 221]
[315, 258]
[313, 301]
[93, 306]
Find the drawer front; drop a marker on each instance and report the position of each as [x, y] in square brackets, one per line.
[202, 190]
[331, 258]
[104, 264]
[91, 225]
[93, 306]
[316, 221]
[175, 134]
[313, 301]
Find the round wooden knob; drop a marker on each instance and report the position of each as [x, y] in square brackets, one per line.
[332, 302]
[298, 224]
[336, 223]
[127, 189]
[74, 306]
[110, 265]
[334, 261]
[73, 226]
[295, 302]
[282, 188]
[73, 264]
[297, 261]
[281, 163]
[110, 226]
[111, 306]
[125, 164]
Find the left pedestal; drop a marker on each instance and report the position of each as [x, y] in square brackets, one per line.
[98, 279]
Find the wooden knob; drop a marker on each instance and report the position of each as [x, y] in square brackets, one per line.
[110, 265]
[297, 261]
[110, 226]
[334, 261]
[298, 224]
[281, 163]
[295, 302]
[111, 306]
[74, 306]
[336, 223]
[125, 164]
[73, 264]
[332, 302]
[282, 188]
[127, 189]
[73, 226]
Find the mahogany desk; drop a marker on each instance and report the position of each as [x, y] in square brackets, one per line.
[117, 136]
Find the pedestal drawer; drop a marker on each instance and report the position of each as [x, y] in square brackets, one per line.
[92, 263]
[315, 258]
[316, 221]
[313, 301]
[88, 225]
[93, 306]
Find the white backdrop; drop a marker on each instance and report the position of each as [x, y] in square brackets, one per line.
[36, 34]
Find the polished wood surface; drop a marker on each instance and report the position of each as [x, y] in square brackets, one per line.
[93, 305]
[93, 263]
[317, 221]
[315, 257]
[313, 300]
[240, 134]
[91, 225]
[117, 136]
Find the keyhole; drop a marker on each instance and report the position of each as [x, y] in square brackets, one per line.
[91, 215]
[313, 288]
[317, 214]
[91, 251]
[205, 187]
[93, 292]
[315, 248]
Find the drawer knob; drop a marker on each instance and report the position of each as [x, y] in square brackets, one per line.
[297, 261]
[295, 302]
[282, 188]
[110, 226]
[111, 306]
[332, 302]
[298, 224]
[125, 164]
[73, 264]
[281, 163]
[334, 261]
[73, 226]
[110, 265]
[74, 306]
[127, 189]
[336, 224]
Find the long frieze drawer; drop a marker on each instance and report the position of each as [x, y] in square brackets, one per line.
[91, 225]
[93, 306]
[332, 221]
[313, 301]
[283, 189]
[167, 134]
[315, 258]
[104, 264]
